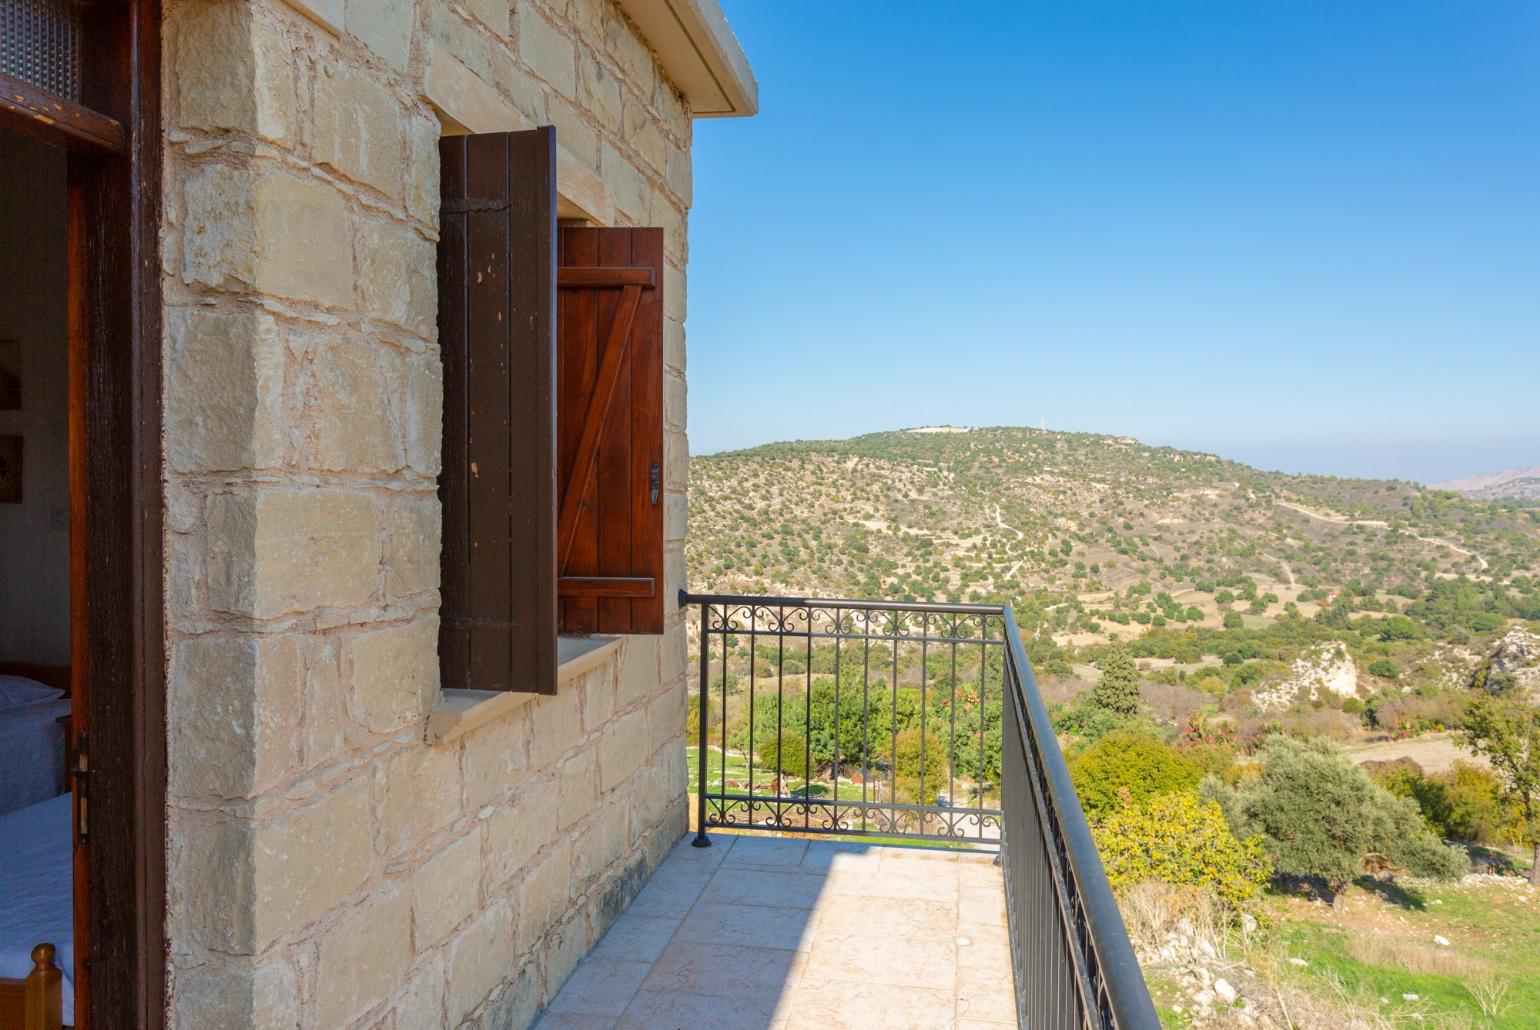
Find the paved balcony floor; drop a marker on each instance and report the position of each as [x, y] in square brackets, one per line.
[764, 932]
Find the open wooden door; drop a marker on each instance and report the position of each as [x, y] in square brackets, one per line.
[77, 747]
[86, 77]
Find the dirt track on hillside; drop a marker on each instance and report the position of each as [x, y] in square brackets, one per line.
[1436, 752]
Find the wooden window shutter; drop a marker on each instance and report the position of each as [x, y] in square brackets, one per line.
[610, 430]
[497, 333]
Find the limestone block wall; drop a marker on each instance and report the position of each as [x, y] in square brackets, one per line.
[327, 866]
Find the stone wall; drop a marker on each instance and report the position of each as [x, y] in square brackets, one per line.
[328, 867]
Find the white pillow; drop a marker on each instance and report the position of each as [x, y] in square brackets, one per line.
[18, 692]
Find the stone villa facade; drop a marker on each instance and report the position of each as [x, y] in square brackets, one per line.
[348, 846]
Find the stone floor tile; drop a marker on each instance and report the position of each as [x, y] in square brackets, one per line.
[912, 854]
[916, 919]
[983, 950]
[790, 929]
[752, 885]
[687, 862]
[724, 970]
[890, 960]
[666, 899]
[601, 986]
[985, 994]
[834, 1005]
[981, 906]
[935, 883]
[574, 1021]
[637, 938]
[676, 1010]
[780, 852]
[977, 873]
[842, 856]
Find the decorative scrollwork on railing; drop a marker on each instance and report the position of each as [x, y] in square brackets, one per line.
[885, 819]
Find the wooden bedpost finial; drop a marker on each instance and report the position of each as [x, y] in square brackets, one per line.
[43, 1007]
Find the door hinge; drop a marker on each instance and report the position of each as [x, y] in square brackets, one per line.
[80, 774]
[655, 480]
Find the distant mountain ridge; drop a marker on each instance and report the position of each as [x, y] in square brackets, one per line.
[1074, 521]
[1523, 484]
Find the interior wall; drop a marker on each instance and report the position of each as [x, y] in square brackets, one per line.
[34, 535]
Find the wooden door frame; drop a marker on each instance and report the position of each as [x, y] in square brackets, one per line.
[114, 170]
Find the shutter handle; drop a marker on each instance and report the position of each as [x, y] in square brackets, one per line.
[655, 480]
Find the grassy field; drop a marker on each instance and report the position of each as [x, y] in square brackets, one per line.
[1382, 953]
[735, 768]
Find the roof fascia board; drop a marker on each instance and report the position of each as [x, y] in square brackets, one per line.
[699, 53]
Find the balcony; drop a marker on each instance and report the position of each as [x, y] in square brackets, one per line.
[757, 932]
[886, 835]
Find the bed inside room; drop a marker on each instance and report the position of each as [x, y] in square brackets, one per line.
[36, 842]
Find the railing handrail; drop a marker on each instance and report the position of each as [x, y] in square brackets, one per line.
[1123, 990]
[854, 604]
[1122, 979]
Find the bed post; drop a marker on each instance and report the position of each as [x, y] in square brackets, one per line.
[44, 992]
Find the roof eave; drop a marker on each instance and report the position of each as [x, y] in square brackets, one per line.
[699, 53]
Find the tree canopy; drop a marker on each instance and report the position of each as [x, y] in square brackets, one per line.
[1321, 816]
[1118, 689]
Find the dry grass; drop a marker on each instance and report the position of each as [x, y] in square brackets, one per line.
[1330, 1003]
[1152, 910]
[1490, 993]
[1412, 956]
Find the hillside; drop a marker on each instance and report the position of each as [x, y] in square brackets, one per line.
[1366, 612]
[1213, 568]
[1512, 484]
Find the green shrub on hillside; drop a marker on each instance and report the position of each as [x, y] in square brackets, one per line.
[1128, 767]
[920, 766]
[1083, 721]
[1176, 839]
[786, 755]
[1118, 689]
[1465, 803]
[1321, 816]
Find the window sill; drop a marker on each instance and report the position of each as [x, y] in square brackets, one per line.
[460, 711]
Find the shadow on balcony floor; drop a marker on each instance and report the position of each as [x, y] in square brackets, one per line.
[759, 932]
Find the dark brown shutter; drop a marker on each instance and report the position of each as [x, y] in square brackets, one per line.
[610, 430]
[497, 310]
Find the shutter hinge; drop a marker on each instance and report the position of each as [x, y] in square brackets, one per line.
[80, 773]
[655, 480]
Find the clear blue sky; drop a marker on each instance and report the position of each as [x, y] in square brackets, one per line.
[1301, 234]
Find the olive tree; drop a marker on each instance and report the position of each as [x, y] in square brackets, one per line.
[1507, 731]
[1321, 816]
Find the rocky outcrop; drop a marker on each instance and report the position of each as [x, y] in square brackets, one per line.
[1326, 667]
[1515, 655]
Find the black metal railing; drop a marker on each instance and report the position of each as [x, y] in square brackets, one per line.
[922, 721]
[1072, 959]
[850, 717]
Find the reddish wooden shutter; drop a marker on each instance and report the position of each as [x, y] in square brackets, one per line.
[497, 310]
[610, 430]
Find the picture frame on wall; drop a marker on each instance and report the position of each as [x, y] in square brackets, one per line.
[10, 469]
[10, 375]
